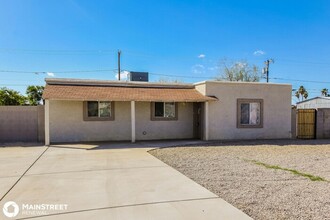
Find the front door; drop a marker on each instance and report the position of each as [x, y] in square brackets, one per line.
[197, 120]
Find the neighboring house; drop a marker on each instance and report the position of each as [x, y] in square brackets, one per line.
[313, 118]
[314, 103]
[98, 110]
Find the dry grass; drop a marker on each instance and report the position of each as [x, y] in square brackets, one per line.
[265, 179]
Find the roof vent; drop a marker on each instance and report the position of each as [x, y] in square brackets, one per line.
[139, 76]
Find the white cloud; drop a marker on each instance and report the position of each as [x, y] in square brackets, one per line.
[201, 56]
[50, 74]
[259, 53]
[198, 69]
[123, 75]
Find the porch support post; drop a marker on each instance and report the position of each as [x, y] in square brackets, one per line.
[47, 140]
[206, 122]
[133, 120]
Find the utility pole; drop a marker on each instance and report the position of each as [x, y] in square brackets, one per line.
[266, 68]
[119, 52]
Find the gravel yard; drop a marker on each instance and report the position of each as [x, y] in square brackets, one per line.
[236, 172]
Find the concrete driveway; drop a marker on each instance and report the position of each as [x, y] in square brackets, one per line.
[102, 182]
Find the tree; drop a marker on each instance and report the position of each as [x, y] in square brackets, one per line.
[324, 92]
[239, 71]
[305, 95]
[11, 97]
[34, 94]
[301, 93]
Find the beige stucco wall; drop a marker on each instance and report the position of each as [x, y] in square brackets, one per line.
[223, 113]
[67, 124]
[180, 129]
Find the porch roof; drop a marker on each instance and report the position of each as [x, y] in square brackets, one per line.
[64, 90]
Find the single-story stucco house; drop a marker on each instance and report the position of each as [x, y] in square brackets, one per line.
[98, 110]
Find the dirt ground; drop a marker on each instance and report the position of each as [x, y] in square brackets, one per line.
[232, 170]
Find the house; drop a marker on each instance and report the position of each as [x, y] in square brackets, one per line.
[314, 103]
[313, 118]
[98, 110]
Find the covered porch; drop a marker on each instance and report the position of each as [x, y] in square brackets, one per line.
[132, 111]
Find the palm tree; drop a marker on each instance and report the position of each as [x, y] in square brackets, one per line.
[297, 94]
[324, 92]
[301, 93]
[305, 95]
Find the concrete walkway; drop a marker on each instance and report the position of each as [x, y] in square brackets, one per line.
[103, 182]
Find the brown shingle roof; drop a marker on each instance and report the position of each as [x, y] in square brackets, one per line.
[123, 93]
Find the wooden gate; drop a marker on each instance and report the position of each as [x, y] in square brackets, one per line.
[306, 123]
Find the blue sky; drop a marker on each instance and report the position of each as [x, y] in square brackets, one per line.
[164, 37]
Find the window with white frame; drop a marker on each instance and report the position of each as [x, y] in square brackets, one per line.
[98, 110]
[249, 113]
[164, 111]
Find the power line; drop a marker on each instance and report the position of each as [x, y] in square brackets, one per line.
[304, 62]
[299, 80]
[207, 77]
[22, 80]
[151, 73]
[49, 51]
[18, 71]
[19, 84]
[85, 71]
[67, 71]
[72, 52]
[128, 52]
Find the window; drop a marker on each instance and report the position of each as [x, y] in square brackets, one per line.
[164, 111]
[249, 113]
[98, 111]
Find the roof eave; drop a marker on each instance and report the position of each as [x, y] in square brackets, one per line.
[136, 100]
[111, 83]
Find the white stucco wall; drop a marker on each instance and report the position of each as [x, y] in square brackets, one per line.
[314, 103]
[223, 113]
[67, 124]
